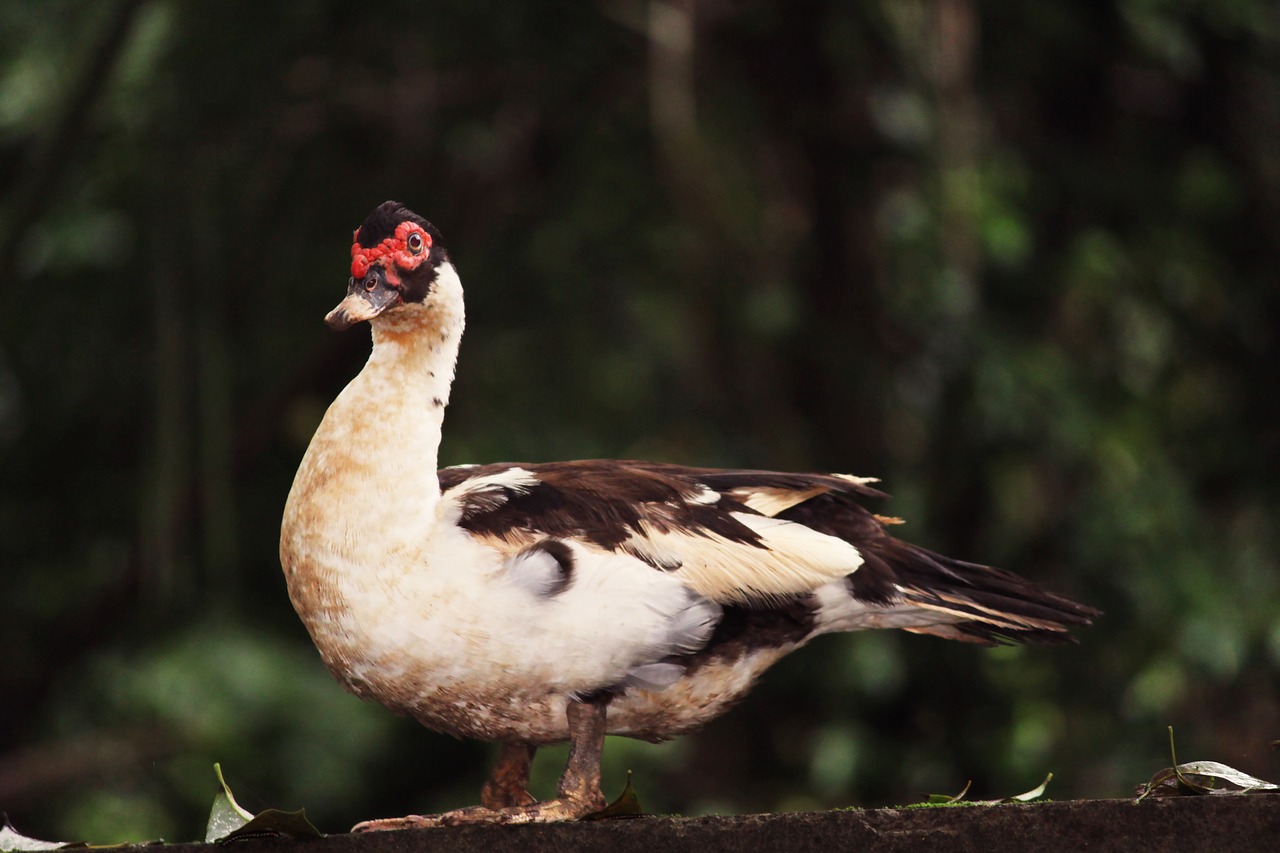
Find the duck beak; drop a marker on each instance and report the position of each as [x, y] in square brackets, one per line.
[366, 298]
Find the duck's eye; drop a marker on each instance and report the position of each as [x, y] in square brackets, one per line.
[415, 243]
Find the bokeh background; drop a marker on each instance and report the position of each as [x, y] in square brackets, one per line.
[1020, 260]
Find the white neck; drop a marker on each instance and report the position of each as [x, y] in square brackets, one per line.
[370, 479]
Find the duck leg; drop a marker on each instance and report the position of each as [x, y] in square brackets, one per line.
[579, 791]
[508, 784]
[506, 797]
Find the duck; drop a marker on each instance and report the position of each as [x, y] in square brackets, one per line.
[533, 604]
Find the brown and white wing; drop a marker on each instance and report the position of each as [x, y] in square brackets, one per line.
[758, 539]
[718, 541]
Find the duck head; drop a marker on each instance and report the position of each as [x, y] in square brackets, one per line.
[396, 258]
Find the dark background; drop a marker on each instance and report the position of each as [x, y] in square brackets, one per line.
[1018, 260]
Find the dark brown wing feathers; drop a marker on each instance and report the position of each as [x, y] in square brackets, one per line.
[894, 571]
[606, 502]
[601, 501]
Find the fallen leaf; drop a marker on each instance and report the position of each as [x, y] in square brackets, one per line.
[1034, 794]
[11, 839]
[273, 823]
[1201, 778]
[229, 822]
[627, 805]
[948, 799]
[959, 800]
[226, 815]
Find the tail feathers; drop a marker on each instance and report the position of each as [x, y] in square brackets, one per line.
[988, 635]
[960, 600]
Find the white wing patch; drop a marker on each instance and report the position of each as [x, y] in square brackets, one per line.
[516, 479]
[771, 501]
[788, 559]
[856, 480]
[793, 560]
[706, 497]
[486, 493]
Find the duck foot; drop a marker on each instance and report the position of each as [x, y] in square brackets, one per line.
[506, 796]
[548, 811]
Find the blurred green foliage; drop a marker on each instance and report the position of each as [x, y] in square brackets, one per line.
[1018, 260]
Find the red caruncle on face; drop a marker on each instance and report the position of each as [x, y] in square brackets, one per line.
[406, 250]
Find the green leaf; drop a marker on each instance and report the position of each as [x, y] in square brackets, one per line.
[959, 800]
[228, 821]
[226, 815]
[11, 839]
[226, 789]
[223, 819]
[947, 799]
[627, 805]
[1034, 794]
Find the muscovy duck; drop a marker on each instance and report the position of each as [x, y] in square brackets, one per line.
[530, 604]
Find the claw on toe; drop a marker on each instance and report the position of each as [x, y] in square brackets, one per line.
[413, 821]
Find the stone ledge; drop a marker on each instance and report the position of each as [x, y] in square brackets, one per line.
[1207, 823]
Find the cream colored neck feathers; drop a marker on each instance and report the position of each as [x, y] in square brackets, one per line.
[370, 480]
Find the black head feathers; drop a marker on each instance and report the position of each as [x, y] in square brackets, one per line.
[382, 222]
